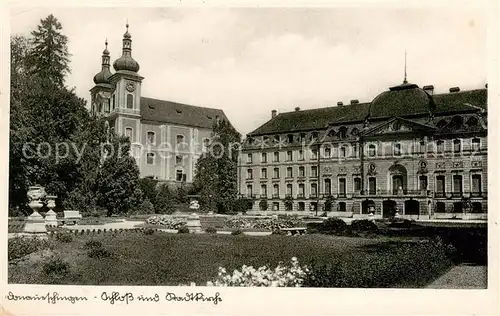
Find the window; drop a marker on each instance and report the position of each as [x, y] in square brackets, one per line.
[458, 122]
[422, 146]
[472, 122]
[276, 206]
[476, 184]
[151, 138]
[476, 207]
[357, 184]
[314, 171]
[263, 191]
[355, 151]
[249, 191]
[397, 149]
[180, 139]
[178, 160]
[276, 157]
[457, 146]
[276, 173]
[289, 138]
[128, 133]
[249, 174]
[343, 151]
[301, 206]
[106, 106]
[440, 146]
[150, 158]
[342, 132]
[314, 136]
[249, 158]
[276, 190]
[372, 150]
[301, 190]
[289, 189]
[314, 154]
[328, 152]
[422, 180]
[314, 189]
[113, 102]
[264, 158]
[342, 207]
[301, 154]
[302, 172]
[476, 143]
[302, 137]
[328, 186]
[263, 173]
[440, 207]
[180, 176]
[289, 172]
[289, 155]
[440, 186]
[457, 184]
[372, 185]
[130, 101]
[342, 187]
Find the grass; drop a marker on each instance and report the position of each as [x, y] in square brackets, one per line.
[171, 259]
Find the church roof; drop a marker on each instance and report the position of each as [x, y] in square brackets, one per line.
[387, 104]
[180, 114]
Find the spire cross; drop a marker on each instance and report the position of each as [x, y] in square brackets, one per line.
[405, 81]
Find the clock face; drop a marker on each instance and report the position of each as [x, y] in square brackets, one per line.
[130, 86]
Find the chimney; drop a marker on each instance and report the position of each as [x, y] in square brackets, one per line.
[297, 109]
[273, 113]
[429, 89]
[354, 101]
[340, 103]
[454, 89]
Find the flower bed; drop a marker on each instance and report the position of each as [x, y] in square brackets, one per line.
[261, 224]
[167, 222]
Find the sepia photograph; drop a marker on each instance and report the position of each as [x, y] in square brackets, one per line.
[305, 147]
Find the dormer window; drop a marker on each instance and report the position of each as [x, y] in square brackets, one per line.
[178, 111]
[290, 138]
[342, 132]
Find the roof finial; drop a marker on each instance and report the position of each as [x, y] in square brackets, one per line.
[405, 81]
[106, 42]
[126, 25]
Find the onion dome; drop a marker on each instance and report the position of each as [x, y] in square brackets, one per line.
[126, 62]
[402, 100]
[103, 76]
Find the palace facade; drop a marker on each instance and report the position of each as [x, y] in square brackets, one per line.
[167, 137]
[408, 151]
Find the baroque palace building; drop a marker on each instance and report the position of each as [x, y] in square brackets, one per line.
[409, 150]
[167, 137]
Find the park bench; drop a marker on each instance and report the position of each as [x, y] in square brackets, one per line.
[72, 217]
[294, 230]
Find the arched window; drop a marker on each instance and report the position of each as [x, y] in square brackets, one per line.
[129, 134]
[151, 138]
[342, 132]
[130, 101]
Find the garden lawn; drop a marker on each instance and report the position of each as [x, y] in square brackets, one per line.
[173, 259]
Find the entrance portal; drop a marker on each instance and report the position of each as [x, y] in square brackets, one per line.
[412, 207]
[368, 206]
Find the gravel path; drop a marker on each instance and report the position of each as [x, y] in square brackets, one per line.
[462, 277]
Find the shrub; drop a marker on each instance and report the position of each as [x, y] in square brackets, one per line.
[211, 230]
[164, 200]
[279, 232]
[56, 267]
[334, 226]
[148, 231]
[19, 247]
[237, 232]
[65, 237]
[329, 203]
[93, 244]
[242, 205]
[167, 221]
[364, 225]
[146, 207]
[183, 230]
[99, 253]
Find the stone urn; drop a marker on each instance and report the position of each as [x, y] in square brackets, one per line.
[51, 217]
[35, 223]
[194, 224]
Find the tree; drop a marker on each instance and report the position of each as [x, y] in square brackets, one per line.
[263, 205]
[164, 200]
[148, 188]
[330, 200]
[288, 203]
[216, 170]
[49, 58]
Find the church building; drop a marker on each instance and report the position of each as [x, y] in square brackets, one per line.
[167, 137]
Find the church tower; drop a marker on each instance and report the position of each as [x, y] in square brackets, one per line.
[101, 92]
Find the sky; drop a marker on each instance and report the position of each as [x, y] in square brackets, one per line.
[249, 61]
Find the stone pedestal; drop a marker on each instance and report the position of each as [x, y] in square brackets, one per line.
[193, 223]
[371, 217]
[35, 223]
[51, 217]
